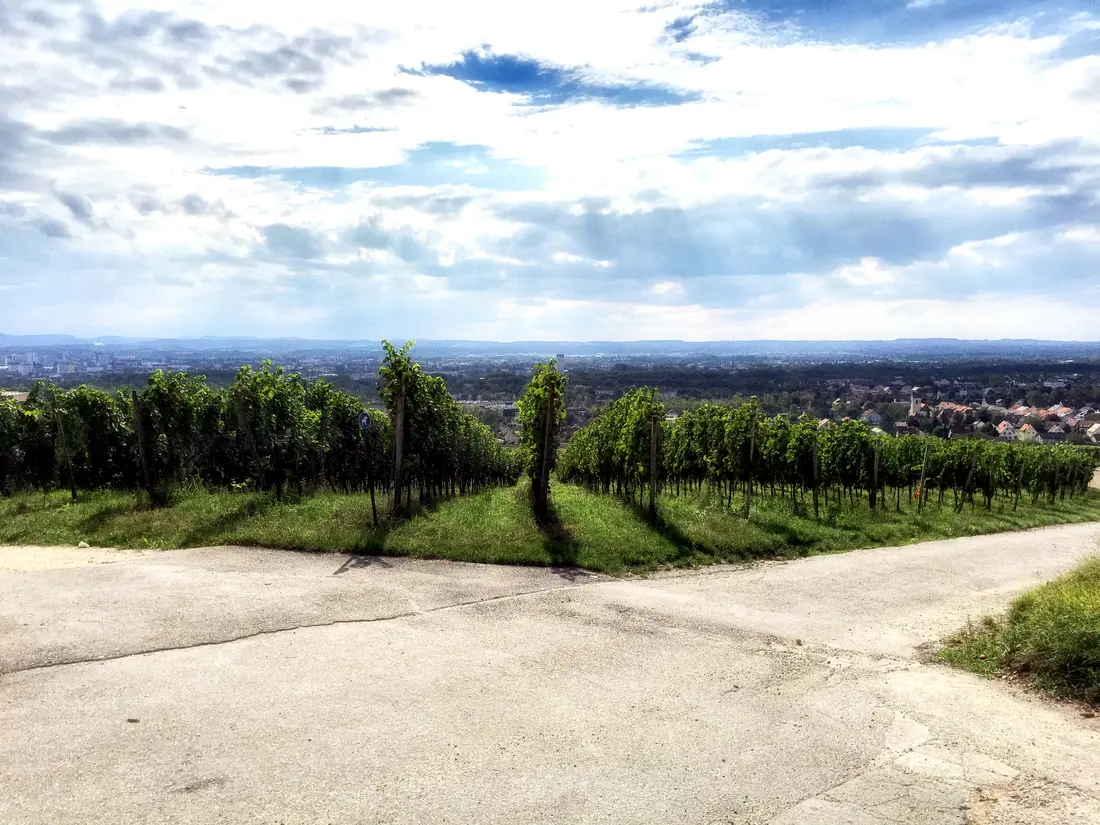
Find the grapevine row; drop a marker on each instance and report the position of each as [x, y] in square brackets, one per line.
[541, 411]
[738, 452]
[270, 430]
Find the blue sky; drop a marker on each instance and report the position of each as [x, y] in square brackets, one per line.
[575, 170]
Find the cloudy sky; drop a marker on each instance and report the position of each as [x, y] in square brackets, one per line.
[581, 169]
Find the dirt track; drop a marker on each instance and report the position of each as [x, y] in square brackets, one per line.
[235, 685]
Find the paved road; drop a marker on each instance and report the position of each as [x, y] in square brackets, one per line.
[231, 685]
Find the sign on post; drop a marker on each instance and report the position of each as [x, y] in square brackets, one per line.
[364, 420]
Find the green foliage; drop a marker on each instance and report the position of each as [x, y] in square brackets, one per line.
[541, 411]
[179, 414]
[344, 456]
[269, 431]
[11, 448]
[731, 450]
[282, 433]
[99, 438]
[614, 450]
[446, 450]
[397, 370]
[1051, 635]
[37, 434]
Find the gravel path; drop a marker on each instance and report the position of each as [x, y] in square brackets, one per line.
[237, 685]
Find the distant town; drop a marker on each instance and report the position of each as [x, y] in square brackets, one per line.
[1035, 391]
[997, 418]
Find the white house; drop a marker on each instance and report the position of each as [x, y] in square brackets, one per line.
[871, 418]
[1028, 433]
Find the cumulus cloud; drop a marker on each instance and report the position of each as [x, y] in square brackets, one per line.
[53, 228]
[79, 206]
[193, 204]
[367, 101]
[292, 241]
[114, 131]
[299, 64]
[714, 169]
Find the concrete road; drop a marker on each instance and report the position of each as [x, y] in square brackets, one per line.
[230, 685]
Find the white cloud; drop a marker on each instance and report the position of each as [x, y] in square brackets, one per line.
[944, 147]
[868, 272]
[992, 318]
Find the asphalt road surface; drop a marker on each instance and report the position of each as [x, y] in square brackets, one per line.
[230, 685]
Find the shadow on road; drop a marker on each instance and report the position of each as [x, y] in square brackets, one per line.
[362, 562]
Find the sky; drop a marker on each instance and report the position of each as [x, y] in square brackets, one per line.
[575, 170]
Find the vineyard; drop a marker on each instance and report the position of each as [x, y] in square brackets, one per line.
[736, 453]
[269, 431]
[276, 460]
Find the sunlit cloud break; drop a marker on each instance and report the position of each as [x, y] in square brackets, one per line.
[609, 170]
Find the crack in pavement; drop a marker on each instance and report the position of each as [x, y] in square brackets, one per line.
[290, 629]
[823, 654]
[903, 790]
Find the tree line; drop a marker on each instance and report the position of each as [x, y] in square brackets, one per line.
[737, 452]
[269, 430]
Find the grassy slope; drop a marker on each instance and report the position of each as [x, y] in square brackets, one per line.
[594, 531]
[1050, 635]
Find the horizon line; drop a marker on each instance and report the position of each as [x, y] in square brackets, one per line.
[378, 340]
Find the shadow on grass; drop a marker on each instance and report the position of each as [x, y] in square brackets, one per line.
[22, 536]
[414, 507]
[419, 507]
[101, 518]
[557, 540]
[801, 545]
[685, 545]
[214, 529]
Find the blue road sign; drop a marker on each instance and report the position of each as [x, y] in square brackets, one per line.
[364, 421]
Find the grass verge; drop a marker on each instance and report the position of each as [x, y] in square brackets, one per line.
[1050, 637]
[592, 531]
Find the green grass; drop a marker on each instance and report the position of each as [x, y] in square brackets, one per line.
[703, 523]
[592, 531]
[1050, 637]
[112, 519]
